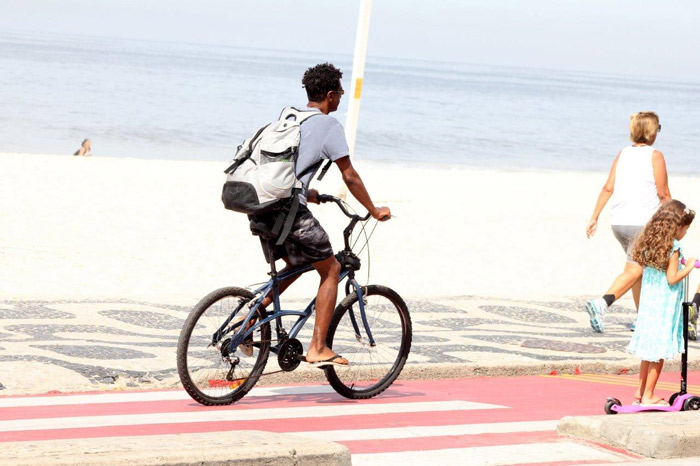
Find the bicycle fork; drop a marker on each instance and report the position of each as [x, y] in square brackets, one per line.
[363, 315]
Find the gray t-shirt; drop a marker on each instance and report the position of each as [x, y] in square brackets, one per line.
[322, 138]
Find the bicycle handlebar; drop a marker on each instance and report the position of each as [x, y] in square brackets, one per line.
[323, 198]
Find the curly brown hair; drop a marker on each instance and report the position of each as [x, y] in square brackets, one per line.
[654, 245]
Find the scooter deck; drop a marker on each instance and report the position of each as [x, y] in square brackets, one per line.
[676, 406]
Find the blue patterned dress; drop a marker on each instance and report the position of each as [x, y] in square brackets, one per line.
[659, 331]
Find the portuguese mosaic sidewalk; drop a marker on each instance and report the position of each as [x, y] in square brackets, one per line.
[96, 344]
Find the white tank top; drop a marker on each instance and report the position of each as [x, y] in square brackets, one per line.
[635, 198]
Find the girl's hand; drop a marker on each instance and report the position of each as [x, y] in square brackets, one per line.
[591, 228]
[690, 262]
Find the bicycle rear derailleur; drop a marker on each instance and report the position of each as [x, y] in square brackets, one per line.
[229, 358]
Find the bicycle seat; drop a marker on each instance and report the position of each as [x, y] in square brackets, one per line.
[261, 229]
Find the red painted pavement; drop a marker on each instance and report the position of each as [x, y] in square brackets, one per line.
[530, 398]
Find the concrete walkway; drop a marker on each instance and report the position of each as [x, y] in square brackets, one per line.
[110, 344]
[239, 448]
[661, 435]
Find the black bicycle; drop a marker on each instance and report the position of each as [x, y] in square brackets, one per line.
[221, 355]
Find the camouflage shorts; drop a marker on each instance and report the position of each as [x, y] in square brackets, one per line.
[307, 242]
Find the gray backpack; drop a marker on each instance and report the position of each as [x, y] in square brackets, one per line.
[262, 176]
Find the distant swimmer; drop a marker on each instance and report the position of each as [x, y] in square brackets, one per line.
[84, 148]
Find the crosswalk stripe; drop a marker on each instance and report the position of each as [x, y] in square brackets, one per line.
[240, 415]
[171, 395]
[431, 431]
[491, 455]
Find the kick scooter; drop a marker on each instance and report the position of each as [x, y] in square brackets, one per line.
[680, 401]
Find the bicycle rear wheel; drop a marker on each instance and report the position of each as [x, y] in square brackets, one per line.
[209, 372]
[371, 369]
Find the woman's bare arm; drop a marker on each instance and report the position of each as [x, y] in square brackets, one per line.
[603, 199]
[660, 176]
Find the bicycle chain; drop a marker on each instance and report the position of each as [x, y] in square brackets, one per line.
[267, 373]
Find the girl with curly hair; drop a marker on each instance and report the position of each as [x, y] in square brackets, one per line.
[659, 333]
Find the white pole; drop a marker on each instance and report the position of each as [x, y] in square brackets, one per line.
[358, 73]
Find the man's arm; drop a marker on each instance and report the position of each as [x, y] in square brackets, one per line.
[357, 188]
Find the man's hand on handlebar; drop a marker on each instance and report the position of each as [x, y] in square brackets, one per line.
[382, 214]
[312, 196]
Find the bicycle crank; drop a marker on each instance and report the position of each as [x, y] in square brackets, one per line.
[288, 354]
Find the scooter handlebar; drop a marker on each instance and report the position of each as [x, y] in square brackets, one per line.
[697, 263]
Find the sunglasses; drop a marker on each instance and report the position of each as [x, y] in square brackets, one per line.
[659, 130]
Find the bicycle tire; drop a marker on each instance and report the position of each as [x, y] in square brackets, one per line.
[371, 370]
[205, 373]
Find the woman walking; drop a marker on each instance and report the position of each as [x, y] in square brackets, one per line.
[638, 184]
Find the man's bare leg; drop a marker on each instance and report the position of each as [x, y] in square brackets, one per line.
[282, 285]
[268, 299]
[329, 270]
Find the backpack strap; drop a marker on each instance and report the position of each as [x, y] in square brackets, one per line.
[324, 170]
[313, 168]
[310, 169]
[285, 219]
[300, 116]
[237, 163]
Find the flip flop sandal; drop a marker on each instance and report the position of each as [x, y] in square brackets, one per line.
[247, 346]
[327, 362]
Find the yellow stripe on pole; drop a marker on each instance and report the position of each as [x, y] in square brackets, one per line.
[358, 88]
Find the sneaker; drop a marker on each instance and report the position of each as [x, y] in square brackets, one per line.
[596, 309]
[633, 325]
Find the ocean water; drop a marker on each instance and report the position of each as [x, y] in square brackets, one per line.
[191, 101]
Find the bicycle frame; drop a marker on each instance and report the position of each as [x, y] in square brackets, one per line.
[273, 286]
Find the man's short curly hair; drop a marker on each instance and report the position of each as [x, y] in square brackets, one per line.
[320, 79]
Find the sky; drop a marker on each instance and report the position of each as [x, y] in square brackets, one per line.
[629, 37]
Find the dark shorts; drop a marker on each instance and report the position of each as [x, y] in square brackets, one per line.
[307, 242]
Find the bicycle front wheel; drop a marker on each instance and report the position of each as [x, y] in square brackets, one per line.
[372, 368]
[208, 370]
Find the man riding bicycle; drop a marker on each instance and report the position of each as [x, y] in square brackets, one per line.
[322, 137]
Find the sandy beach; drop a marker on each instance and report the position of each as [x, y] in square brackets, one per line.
[134, 228]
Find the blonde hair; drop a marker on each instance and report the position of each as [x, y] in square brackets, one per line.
[643, 127]
[654, 245]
